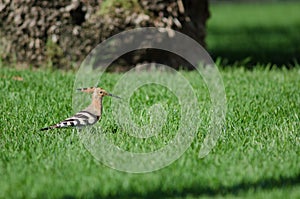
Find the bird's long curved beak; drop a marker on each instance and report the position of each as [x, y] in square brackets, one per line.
[109, 94]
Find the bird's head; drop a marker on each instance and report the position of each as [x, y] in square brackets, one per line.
[97, 91]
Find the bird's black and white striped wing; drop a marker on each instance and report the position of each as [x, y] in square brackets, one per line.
[82, 118]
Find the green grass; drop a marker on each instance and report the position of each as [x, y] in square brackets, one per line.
[256, 157]
[265, 32]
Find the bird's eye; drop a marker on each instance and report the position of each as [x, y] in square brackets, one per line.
[101, 92]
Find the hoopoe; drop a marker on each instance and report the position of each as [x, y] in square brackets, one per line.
[88, 116]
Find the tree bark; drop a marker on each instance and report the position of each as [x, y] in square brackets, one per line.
[61, 33]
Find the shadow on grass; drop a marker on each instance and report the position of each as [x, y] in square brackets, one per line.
[198, 191]
[276, 45]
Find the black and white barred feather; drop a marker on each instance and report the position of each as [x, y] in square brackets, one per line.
[82, 118]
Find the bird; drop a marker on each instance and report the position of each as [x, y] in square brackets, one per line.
[88, 116]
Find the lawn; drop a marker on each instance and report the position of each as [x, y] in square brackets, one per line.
[263, 32]
[257, 155]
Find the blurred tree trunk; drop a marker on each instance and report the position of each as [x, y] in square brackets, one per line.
[62, 33]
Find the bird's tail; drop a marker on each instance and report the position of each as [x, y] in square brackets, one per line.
[48, 128]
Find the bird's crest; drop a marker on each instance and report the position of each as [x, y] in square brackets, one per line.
[101, 91]
[88, 90]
